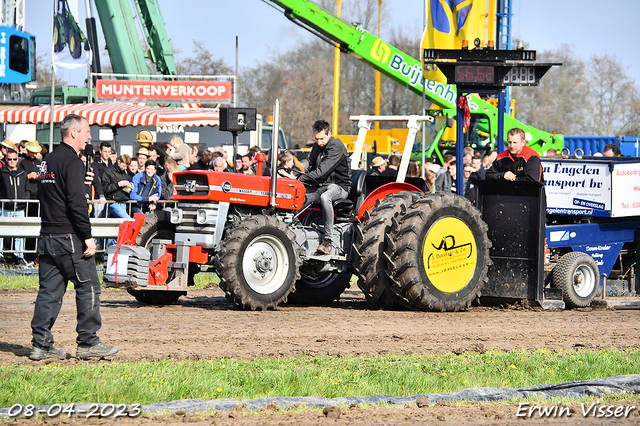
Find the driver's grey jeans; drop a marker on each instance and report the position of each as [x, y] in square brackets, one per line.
[327, 195]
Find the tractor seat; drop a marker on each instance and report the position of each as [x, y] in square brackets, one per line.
[344, 206]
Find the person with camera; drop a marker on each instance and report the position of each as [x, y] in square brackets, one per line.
[117, 187]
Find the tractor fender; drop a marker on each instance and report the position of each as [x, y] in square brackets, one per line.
[383, 191]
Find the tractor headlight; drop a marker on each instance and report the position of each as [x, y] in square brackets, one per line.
[176, 216]
[206, 217]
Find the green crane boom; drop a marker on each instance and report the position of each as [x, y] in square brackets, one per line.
[399, 66]
[123, 41]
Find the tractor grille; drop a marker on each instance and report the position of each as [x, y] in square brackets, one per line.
[189, 224]
[192, 184]
[207, 234]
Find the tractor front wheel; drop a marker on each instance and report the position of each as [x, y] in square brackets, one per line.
[258, 263]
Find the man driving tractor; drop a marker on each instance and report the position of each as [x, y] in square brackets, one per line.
[328, 178]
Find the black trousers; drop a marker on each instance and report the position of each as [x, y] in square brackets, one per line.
[61, 261]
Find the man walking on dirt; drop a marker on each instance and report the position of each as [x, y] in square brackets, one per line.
[67, 249]
[518, 163]
[328, 177]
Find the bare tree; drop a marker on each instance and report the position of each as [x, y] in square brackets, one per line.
[43, 71]
[612, 95]
[202, 63]
[559, 103]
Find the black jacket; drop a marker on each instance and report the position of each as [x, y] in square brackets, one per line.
[14, 186]
[167, 187]
[328, 165]
[99, 167]
[200, 165]
[389, 171]
[29, 165]
[62, 194]
[111, 177]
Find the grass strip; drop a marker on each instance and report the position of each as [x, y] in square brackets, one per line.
[30, 282]
[164, 380]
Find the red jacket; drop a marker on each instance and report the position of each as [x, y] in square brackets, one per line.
[526, 167]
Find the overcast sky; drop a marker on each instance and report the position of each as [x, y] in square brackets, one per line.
[592, 26]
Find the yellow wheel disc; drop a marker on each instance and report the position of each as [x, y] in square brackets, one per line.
[450, 254]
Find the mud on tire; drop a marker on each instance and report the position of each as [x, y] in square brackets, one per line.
[438, 254]
[370, 245]
[258, 263]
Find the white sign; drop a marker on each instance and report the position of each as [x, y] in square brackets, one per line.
[170, 128]
[18, 132]
[122, 263]
[577, 187]
[625, 195]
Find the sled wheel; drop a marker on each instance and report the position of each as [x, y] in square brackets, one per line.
[370, 244]
[258, 263]
[578, 276]
[438, 254]
[157, 297]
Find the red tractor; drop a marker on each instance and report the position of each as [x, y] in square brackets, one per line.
[422, 251]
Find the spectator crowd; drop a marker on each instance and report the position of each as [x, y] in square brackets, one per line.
[125, 184]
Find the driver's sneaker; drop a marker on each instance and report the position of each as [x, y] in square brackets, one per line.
[96, 351]
[38, 354]
[325, 247]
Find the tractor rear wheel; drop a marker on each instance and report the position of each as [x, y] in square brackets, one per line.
[314, 287]
[438, 254]
[258, 263]
[319, 290]
[370, 245]
[578, 276]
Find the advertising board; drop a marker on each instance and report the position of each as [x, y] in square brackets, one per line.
[579, 188]
[625, 194]
[164, 91]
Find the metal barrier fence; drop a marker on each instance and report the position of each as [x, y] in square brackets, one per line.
[18, 226]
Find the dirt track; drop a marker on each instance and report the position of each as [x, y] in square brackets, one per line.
[204, 325]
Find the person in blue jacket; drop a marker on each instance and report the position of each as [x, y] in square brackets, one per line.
[146, 188]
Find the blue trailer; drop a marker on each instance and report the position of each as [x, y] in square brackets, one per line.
[590, 145]
[592, 226]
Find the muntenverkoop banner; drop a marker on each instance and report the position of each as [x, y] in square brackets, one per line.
[164, 91]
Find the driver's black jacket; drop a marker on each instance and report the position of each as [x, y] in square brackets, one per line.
[328, 165]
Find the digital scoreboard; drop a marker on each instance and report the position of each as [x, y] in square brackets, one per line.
[487, 68]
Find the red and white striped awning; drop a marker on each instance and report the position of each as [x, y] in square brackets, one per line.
[113, 114]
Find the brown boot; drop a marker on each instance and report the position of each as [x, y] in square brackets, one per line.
[325, 247]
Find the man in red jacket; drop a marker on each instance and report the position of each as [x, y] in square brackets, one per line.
[518, 163]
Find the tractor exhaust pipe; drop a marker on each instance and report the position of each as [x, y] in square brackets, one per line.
[274, 151]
